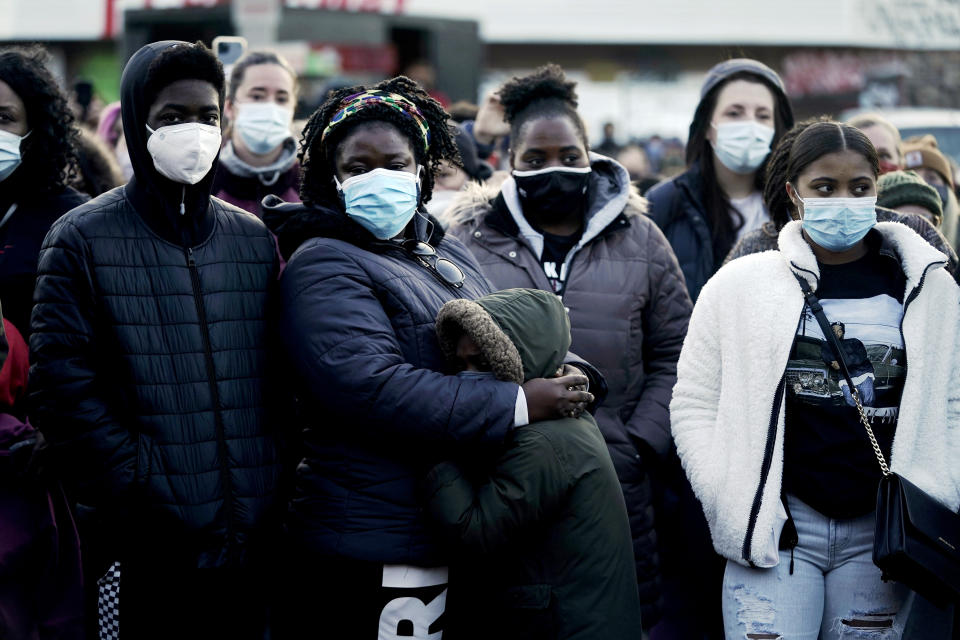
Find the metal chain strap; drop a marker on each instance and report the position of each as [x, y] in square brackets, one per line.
[884, 469]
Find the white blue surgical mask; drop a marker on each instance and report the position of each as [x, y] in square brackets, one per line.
[742, 146]
[836, 224]
[263, 126]
[382, 201]
[10, 157]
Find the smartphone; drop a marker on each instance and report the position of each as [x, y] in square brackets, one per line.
[229, 49]
[84, 91]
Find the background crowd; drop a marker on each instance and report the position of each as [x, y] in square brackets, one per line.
[405, 370]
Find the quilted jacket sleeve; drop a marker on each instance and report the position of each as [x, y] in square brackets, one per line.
[664, 327]
[345, 350]
[96, 453]
[527, 485]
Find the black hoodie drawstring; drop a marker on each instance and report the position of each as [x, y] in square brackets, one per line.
[183, 197]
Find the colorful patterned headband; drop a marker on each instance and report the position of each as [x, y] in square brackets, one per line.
[356, 103]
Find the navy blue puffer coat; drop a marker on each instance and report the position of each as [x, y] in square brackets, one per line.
[678, 209]
[358, 320]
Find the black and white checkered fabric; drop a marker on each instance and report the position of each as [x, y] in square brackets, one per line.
[108, 603]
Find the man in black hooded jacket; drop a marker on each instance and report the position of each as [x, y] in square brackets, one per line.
[149, 374]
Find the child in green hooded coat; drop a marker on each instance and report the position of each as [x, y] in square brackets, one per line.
[542, 531]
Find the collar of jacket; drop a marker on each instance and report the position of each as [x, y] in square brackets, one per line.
[295, 223]
[190, 228]
[235, 172]
[691, 183]
[610, 190]
[896, 240]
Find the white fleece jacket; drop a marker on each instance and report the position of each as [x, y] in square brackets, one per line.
[735, 355]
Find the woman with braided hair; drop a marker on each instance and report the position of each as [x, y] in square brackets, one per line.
[367, 271]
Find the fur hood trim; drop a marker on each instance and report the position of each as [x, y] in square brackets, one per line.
[466, 316]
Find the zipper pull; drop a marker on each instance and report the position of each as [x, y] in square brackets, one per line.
[190, 260]
[183, 197]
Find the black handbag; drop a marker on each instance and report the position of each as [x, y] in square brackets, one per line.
[917, 539]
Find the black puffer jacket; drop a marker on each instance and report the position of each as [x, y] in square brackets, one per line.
[678, 209]
[150, 347]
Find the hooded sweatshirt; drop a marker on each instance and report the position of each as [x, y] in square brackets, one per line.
[155, 197]
[544, 542]
[150, 344]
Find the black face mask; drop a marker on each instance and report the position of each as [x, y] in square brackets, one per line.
[553, 192]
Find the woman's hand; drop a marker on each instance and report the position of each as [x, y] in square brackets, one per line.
[551, 398]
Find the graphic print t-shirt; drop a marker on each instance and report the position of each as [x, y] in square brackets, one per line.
[555, 250]
[828, 460]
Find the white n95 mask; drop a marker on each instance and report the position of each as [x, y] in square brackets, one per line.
[184, 152]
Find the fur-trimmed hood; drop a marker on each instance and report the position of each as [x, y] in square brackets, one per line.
[611, 194]
[522, 333]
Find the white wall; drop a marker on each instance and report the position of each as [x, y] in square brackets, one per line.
[920, 24]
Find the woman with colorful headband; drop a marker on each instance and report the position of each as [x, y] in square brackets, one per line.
[368, 269]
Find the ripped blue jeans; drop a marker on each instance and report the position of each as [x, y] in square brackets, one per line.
[835, 591]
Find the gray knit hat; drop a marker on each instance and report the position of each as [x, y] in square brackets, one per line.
[727, 68]
[898, 188]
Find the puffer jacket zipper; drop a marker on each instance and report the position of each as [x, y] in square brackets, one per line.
[222, 452]
[568, 261]
[764, 469]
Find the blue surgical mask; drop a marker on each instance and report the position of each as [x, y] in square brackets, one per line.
[742, 146]
[836, 224]
[263, 126]
[382, 201]
[9, 153]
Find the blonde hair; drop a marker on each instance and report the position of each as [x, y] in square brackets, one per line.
[865, 120]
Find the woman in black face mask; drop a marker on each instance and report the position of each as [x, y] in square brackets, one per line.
[568, 221]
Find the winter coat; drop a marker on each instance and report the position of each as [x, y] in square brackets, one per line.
[41, 590]
[20, 238]
[678, 209]
[727, 408]
[628, 310]
[150, 361]
[765, 238]
[357, 319]
[544, 542]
